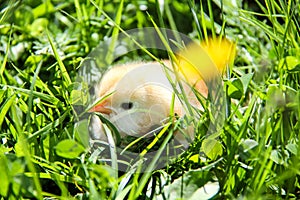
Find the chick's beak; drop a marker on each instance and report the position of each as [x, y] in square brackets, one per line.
[102, 107]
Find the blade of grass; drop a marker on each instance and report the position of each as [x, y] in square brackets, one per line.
[212, 21]
[265, 28]
[48, 127]
[135, 192]
[4, 62]
[16, 120]
[203, 23]
[124, 192]
[24, 145]
[260, 168]
[39, 83]
[113, 150]
[150, 168]
[115, 33]
[156, 139]
[159, 10]
[12, 6]
[195, 17]
[174, 63]
[51, 99]
[171, 21]
[30, 98]
[78, 11]
[6, 106]
[125, 186]
[124, 32]
[63, 70]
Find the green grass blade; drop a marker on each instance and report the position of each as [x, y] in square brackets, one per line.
[61, 65]
[6, 106]
[51, 99]
[212, 21]
[115, 33]
[48, 127]
[30, 99]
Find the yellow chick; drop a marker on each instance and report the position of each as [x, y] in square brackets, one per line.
[141, 94]
[140, 100]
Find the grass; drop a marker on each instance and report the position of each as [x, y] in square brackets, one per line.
[44, 152]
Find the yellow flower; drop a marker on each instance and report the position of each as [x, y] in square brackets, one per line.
[221, 52]
[207, 60]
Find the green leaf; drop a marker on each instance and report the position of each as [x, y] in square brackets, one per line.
[290, 63]
[51, 99]
[43, 9]
[12, 174]
[38, 26]
[194, 158]
[245, 79]
[79, 93]
[69, 149]
[194, 184]
[82, 132]
[78, 97]
[48, 127]
[1, 95]
[19, 149]
[4, 174]
[31, 61]
[249, 144]
[115, 33]
[209, 190]
[275, 99]
[212, 148]
[292, 148]
[277, 156]
[237, 87]
[63, 70]
[5, 107]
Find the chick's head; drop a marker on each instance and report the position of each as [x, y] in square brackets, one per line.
[140, 99]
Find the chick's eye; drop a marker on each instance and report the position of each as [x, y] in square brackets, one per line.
[127, 105]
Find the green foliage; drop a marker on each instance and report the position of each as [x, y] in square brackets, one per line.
[212, 148]
[44, 153]
[69, 149]
[194, 184]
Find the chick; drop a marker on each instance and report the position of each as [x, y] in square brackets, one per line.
[141, 99]
[141, 94]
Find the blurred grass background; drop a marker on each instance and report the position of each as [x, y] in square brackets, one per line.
[42, 44]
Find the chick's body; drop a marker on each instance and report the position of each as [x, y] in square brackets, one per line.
[140, 100]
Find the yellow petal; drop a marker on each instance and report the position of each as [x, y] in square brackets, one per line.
[207, 60]
[221, 51]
